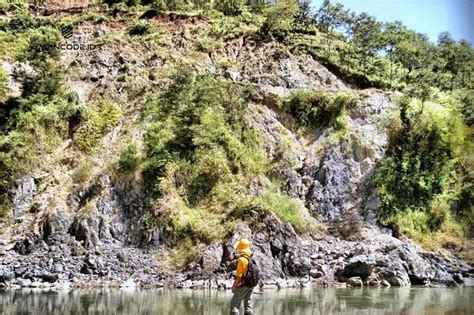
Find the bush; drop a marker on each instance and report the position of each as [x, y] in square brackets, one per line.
[129, 159]
[3, 85]
[5, 206]
[319, 109]
[202, 156]
[420, 181]
[280, 15]
[140, 28]
[41, 46]
[100, 117]
[83, 172]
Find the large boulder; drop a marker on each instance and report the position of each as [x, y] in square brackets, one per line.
[419, 270]
[394, 274]
[443, 278]
[360, 266]
[211, 259]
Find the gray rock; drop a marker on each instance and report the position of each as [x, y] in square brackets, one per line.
[232, 75]
[211, 259]
[458, 278]
[360, 266]
[329, 195]
[23, 194]
[355, 282]
[444, 279]
[6, 275]
[395, 274]
[316, 273]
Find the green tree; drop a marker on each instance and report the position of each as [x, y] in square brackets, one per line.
[278, 16]
[393, 34]
[366, 35]
[456, 57]
[330, 17]
[303, 17]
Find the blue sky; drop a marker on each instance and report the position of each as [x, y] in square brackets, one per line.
[430, 17]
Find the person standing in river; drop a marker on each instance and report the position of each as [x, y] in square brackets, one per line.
[246, 278]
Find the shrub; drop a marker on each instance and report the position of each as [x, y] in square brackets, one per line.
[100, 117]
[182, 255]
[129, 159]
[139, 28]
[280, 15]
[202, 156]
[5, 205]
[3, 85]
[420, 181]
[41, 46]
[83, 172]
[319, 109]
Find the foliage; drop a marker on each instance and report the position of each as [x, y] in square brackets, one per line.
[424, 174]
[3, 85]
[129, 159]
[33, 124]
[319, 109]
[201, 157]
[280, 15]
[140, 28]
[99, 118]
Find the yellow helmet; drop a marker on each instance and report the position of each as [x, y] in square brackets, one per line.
[243, 244]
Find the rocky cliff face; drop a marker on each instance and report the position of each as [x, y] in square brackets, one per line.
[96, 233]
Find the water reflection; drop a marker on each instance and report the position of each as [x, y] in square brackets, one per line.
[291, 301]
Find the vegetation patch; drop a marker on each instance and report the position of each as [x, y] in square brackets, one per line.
[99, 118]
[318, 109]
[425, 181]
[201, 157]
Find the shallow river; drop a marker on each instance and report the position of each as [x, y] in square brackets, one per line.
[271, 302]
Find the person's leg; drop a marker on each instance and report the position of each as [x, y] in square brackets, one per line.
[248, 302]
[239, 295]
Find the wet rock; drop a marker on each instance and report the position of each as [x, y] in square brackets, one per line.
[395, 274]
[360, 266]
[458, 278]
[444, 279]
[355, 282]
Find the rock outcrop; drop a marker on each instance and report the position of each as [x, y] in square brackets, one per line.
[98, 232]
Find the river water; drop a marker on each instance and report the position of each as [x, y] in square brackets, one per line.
[414, 300]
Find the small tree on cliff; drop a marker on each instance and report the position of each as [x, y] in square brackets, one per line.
[278, 16]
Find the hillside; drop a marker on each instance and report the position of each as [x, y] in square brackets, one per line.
[169, 135]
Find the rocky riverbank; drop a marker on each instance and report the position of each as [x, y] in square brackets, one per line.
[285, 259]
[64, 234]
